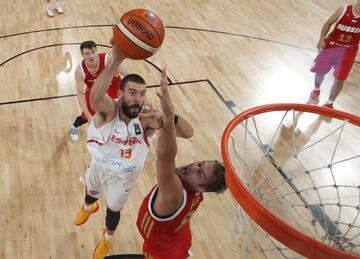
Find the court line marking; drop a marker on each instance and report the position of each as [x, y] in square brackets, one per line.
[170, 27]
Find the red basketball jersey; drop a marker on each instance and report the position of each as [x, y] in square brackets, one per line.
[346, 32]
[167, 237]
[89, 78]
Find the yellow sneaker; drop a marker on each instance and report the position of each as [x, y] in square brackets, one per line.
[102, 249]
[82, 216]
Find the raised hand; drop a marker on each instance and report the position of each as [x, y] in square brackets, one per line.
[117, 55]
[165, 100]
[152, 118]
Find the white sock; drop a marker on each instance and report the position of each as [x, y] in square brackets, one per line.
[329, 102]
[108, 237]
[87, 207]
[48, 5]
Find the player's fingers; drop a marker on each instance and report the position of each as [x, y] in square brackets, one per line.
[146, 116]
[159, 95]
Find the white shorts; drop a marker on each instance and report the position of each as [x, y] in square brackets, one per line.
[117, 188]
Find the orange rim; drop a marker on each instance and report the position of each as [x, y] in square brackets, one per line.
[283, 232]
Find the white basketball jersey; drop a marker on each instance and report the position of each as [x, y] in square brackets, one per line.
[117, 146]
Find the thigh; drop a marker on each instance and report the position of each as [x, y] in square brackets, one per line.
[118, 191]
[94, 180]
[87, 100]
[324, 61]
[343, 66]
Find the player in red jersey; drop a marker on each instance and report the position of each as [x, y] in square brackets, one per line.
[86, 73]
[164, 215]
[338, 49]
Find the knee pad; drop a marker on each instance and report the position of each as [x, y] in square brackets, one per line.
[112, 219]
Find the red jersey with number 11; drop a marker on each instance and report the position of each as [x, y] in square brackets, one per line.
[167, 237]
[346, 32]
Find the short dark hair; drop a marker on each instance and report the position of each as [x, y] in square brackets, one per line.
[89, 44]
[131, 78]
[217, 183]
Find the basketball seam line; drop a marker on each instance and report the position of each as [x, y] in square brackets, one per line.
[126, 51]
[148, 24]
[137, 41]
[129, 40]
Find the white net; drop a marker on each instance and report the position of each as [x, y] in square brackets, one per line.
[304, 168]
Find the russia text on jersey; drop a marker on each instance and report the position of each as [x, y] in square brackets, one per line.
[350, 29]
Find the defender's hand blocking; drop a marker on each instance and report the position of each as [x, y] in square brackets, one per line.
[165, 100]
[153, 118]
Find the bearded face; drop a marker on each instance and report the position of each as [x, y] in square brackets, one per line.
[133, 98]
[131, 111]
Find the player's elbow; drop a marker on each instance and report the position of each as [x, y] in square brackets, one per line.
[189, 133]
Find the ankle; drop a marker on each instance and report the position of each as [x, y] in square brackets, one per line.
[108, 237]
[87, 207]
[329, 101]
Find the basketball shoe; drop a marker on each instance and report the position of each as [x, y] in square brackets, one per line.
[314, 96]
[102, 249]
[83, 215]
[49, 11]
[74, 133]
[58, 7]
[329, 105]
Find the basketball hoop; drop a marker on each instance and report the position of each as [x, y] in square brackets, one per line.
[297, 185]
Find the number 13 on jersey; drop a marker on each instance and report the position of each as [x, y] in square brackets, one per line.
[125, 153]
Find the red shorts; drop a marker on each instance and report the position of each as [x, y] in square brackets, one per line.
[340, 58]
[162, 247]
[113, 92]
[177, 253]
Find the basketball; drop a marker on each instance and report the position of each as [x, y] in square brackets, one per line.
[139, 33]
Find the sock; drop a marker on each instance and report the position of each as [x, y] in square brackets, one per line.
[79, 121]
[108, 237]
[58, 2]
[87, 207]
[316, 89]
[329, 102]
[48, 5]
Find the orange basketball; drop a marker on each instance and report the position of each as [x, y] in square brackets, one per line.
[139, 33]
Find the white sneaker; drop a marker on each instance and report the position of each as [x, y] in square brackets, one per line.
[49, 11]
[74, 134]
[59, 8]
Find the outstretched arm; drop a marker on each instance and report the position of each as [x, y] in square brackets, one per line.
[170, 187]
[100, 101]
[123, 69]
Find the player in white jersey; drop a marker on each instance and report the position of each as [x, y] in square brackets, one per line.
[117, 141]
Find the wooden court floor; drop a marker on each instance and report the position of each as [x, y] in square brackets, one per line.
[223, 56]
